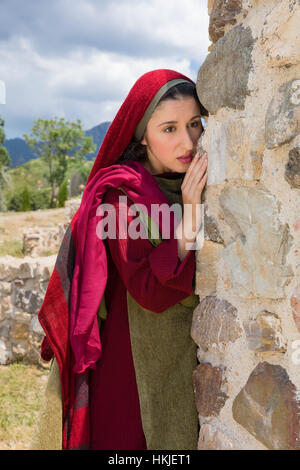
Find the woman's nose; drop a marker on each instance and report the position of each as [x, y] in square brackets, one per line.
[186, 139]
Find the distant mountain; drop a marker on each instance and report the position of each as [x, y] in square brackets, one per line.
[98, 134]
[20, 153]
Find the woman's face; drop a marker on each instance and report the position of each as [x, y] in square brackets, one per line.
[172, 132]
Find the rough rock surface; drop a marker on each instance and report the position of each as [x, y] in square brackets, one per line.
[264, 333]
[211, 437]
[292, 168]
[268, 408]
[282, 122]
[209, 385]
[214, 322]
[257, 256]
[227, 69]
[222, 14]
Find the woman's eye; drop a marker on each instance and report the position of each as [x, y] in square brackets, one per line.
[195, 124]
[169, 129]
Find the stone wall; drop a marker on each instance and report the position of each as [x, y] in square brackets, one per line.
[247, 325]
[23, 283]
[42, 241]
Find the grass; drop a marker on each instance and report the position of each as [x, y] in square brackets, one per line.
[21, 391]
[12, 248]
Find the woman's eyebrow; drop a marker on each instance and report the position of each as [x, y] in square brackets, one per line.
[174, 122]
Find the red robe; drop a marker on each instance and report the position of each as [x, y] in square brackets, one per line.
[157, 279]
[69, 311]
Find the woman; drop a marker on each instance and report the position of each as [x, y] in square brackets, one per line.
[132, 388]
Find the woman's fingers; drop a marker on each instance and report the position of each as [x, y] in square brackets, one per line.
[193, 169]
[198, 186]
[195, 179]
[198, 173]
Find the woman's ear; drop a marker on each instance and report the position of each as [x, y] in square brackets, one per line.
[144, 141]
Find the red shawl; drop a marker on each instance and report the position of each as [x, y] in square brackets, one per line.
[69, 311]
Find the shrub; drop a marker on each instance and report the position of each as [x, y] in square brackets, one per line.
[37, 199]
[25, 200]
[63, 193]
[40, 199]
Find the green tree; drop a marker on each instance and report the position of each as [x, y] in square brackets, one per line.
[63, 193]
[4, 166]
[26, 206]
[56, 140]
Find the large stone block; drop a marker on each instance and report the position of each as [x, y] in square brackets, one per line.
[19, 331]
[226, 69]
[5, 353]
[9, 268]
[45, 267]
[295, 304]
[222, 14]
[34, 347]
[5, 288]
[28, 300]
[268, 408]
[38, 241]
[256, 259]
[210, 389]
[282, 121]
[211, 230]
[292, 168]
[206, 268]
[4, 330]
[5, 306]
[17, 268]
[212, 437]
[264, 333]
[235, 148]
[35, 327]
[280, 38]
[19, 350]
[215, 322]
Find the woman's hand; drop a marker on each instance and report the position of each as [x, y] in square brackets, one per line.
[191, 189]
[194, 180]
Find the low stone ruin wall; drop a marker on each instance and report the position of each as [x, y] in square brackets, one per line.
[23, 282]
[43, 241]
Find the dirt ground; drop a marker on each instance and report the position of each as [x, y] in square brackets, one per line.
[12, 224]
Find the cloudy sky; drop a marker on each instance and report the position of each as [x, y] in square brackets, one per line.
[78, 59]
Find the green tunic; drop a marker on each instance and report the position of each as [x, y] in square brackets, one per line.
[164, 359]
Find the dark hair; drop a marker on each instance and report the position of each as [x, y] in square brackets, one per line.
[137, 151]
[181, 90]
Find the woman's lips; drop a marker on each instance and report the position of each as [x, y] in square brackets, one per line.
[186, 158]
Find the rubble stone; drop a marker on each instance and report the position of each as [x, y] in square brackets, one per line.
[267, 407]
[232, 54]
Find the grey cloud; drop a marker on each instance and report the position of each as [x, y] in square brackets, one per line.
[62, 37]
[56, 28]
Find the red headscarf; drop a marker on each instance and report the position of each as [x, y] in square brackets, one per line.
[129, 115]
